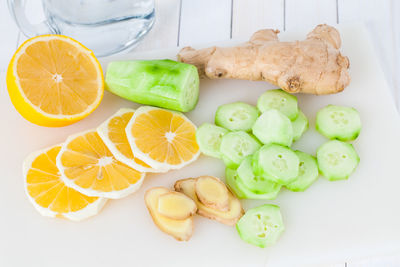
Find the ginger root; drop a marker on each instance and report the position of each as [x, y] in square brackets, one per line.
[212, 193]
[229, 217]
[313, 66]
[176, 206]
[181, 230]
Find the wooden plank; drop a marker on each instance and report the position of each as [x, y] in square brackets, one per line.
[204, 21]
[395, 22]
[309, 13]
[367, 10]
[251, 15]
[165, 30]
[380, 18]
[9, 32]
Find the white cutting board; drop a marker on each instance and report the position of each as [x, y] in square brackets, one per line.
[330, 222]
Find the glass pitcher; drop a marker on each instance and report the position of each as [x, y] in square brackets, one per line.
[105, 26]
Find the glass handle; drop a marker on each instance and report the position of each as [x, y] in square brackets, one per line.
[29, 29]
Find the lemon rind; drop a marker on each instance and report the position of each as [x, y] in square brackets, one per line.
[116, 194]
[144, 157]
[87, 212]
[90, 108]
[102, 130]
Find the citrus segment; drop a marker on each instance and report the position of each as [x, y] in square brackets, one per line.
[87, 165]
[163, 139]
[54, 80]
[48, 193]
[113, 134]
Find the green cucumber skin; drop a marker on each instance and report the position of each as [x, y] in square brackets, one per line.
[304, 182]
[351, 133]
[291, 112]
[340, 138]
[232, 183]
[300, 126]
[337, 177]
[208, 128]
[163, 83]
[256, 184]
[221, 118]
[241, 191]
[230, 163]
[247, 231]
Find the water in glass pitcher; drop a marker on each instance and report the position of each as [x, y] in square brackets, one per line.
[105, 26]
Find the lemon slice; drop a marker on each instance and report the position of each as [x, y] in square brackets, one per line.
[113, 134]
[162, 138]
[48, 193]
[88, 166]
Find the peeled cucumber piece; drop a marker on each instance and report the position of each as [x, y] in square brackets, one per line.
[279, 100]
[308, 172]
[337, 160]
[209, 137]
[241, 191]
[299, 125]
[261, 226]
[338, 122]
[232, 182]
[276, 163]
[256, 184]
[162, 83]
[236, 116]
[235, 146]
[273, 127]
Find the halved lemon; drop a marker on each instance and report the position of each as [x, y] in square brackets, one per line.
[162, 138]
[88, 166]
[48, 193]
[113, 134]
[54, 80]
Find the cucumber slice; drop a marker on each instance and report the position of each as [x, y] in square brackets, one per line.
[280, 100]
[241, 191]
[235, 146]
[232, 182]
[209, 138]
[299, 125]
[308, 173]
[276, 163]
[236, 116]
[337, 160]
[256, 184]
[162, 83]
[273, 127]
[261, 226]
[337, 122]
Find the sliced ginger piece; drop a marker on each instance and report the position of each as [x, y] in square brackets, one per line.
[212, 193]
[230, 217]
[176, 205]
[181, 230]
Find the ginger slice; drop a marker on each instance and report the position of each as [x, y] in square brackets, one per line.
[212, 193]
[181, 230]
[230, 217]
[175, 205]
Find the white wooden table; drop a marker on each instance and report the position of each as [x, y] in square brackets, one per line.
[188, 22]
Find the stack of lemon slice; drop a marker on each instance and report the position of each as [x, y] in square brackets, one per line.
[53, 81]
[73, 180]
